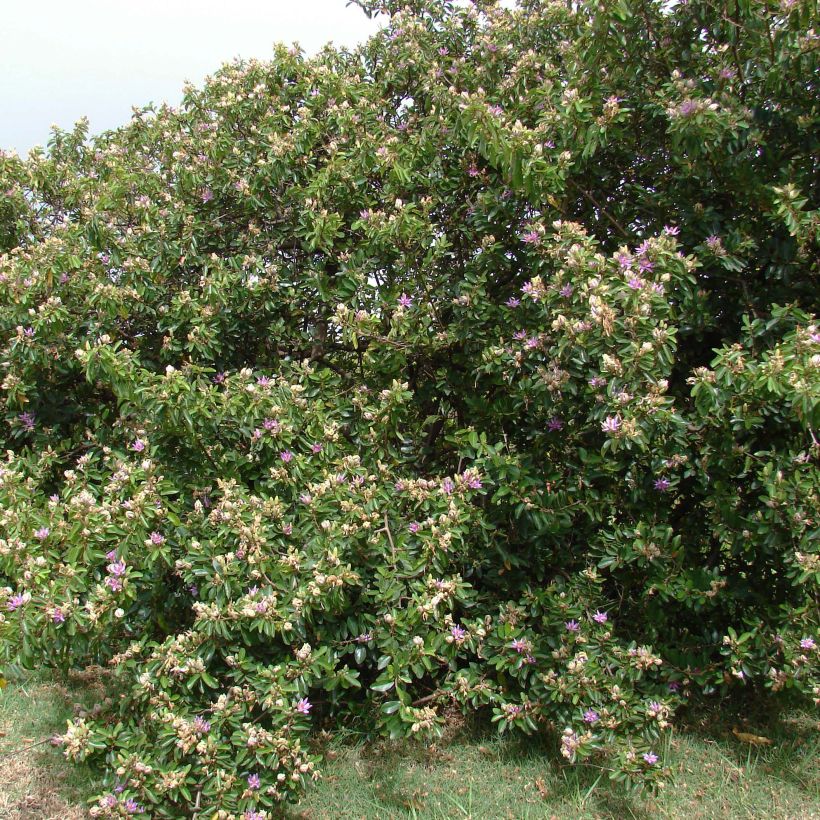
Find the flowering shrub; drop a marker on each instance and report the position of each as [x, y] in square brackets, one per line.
[472, 369]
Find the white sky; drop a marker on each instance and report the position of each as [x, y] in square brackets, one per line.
[64, 59]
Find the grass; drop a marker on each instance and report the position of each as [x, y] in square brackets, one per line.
[466, 775]
[470, 776]
[35, 780]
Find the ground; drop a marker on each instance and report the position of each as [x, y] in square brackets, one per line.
[466, 775]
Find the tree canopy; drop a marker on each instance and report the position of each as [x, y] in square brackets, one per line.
[475, 367]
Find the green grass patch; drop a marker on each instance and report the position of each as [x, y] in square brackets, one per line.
[468, 774]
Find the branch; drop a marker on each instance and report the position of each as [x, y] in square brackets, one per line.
[23, 749]
[427, 698]
[603, 211]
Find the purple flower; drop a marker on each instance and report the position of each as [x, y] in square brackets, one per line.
[600, 617]
[109, 801]
[512, 711]
[219, 378]
[566, 291]
[27, 420]
[15, 602]
[132, 807]
[473, 170]
[252, 815]
[264, 381]
[303, 706]
[404, 301]
[117, 569]
[512, 302]
[286, 456]
[207, 195]
[645, 265]
[29, 331]
[157, 538]
[58, 616]
[287, 529]
[624, 260]
[635, 283]
[42, 533]
[497, 110]
[591, 716]
[662, 484]
[671, 230]
[138, 446]
[807, 643]
[414, 527]
[611, 424]
[597, 381]
[651, 758]
[114, 584]
[271, 425]
[532, 342]
[554, 424]
[713, 242]
[447, 486]
[458, 633]
[520, 645]
[531, 238]
[572, 626]
[364, 214]
[687, 108]
[253, 781]
[201, 726]
[316, 448]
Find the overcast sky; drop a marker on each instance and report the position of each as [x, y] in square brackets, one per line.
[64, 59]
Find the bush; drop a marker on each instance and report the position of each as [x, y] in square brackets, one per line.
[365, 385]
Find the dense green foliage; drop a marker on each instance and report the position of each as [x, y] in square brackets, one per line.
[475, 367]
